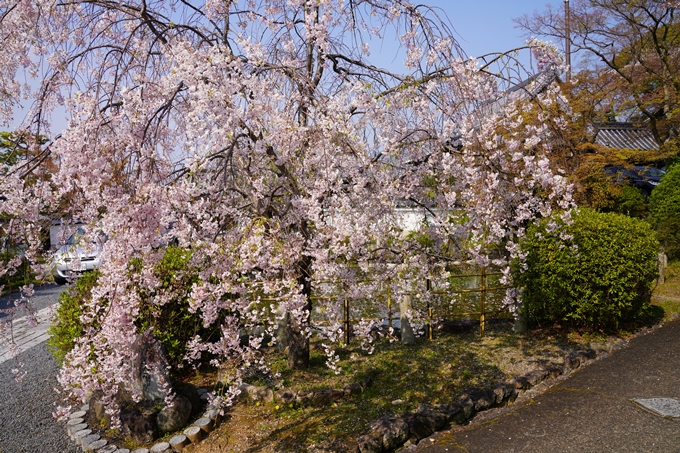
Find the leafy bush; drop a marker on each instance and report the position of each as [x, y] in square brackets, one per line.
[67, 326]
[171, 322]
[599, 277]
[631, 202]
[664, 211]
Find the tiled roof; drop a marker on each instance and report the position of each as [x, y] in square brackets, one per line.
[526, 89]
[625, 136]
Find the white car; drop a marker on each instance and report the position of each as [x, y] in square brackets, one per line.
[77, 256]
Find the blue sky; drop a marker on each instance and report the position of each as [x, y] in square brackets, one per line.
[483, 26]
[487, 25]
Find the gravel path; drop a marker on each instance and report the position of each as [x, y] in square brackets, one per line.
[26, 422]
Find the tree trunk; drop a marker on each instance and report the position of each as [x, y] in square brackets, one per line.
[407, 335]
[298, 341]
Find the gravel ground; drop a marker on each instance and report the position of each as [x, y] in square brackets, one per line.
[26, 422]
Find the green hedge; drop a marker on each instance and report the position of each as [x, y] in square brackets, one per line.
[664, 211]
[66, 326]
[172, 323]
[631, 202]
[600, 277]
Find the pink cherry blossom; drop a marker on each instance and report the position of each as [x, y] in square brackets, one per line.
[259, 135]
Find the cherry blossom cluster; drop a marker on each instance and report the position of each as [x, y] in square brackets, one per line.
[258, 135]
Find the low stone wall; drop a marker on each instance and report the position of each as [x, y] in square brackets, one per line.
[389, 433]
[88, 440]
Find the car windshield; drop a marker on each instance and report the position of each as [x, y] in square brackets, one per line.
[77, 237]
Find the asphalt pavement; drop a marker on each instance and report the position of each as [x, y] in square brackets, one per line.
[25, 332]
[45, 295]
[626, 402]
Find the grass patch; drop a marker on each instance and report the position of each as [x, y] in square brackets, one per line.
[405, 376]
[667, 295]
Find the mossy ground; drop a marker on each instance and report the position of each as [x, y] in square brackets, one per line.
[429, 372]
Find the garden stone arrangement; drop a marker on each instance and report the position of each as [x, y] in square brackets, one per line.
[389, 433]
[384, 435]
[140, 429]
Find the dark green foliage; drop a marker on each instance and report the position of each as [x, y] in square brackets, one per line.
[600, 278]
[14, 146]
[67, 325]
[631, 202]
[664, 211]
[172, 322]
[23, 274]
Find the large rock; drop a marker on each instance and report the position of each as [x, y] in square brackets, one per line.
[436, 417]
[98, 408]
[369, 444]
[407, 335]
[151, 368]
[191, 392]
[392, 432]
[576, 359]
[257, 393]
[419, 425]
[482, 398]
[139, 427]
[504, 393]
[282, 335]
[324, 397]
[535, 377]
[285, 396]
[174, 416]
[454, 413]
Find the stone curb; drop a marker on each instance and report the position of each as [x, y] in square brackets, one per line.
[389, 433]
[89, 441]
[195, 433]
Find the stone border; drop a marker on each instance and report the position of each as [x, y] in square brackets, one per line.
[90, 441]
[386, 434]
[389, 433]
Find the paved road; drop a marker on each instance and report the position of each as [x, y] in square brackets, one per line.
[45, 296]
[24, 333]
[592, 411]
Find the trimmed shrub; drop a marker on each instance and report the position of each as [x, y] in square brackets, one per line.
[664, 211]
[66, 325]
[172, 322]
[599, 276]
[631, 202]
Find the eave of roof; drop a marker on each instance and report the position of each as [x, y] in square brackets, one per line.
[625, 136]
